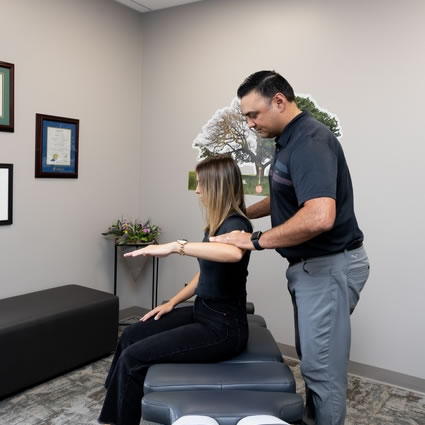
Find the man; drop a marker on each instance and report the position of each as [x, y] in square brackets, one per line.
[314, 227]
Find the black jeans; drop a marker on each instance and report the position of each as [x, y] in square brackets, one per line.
[210, 331]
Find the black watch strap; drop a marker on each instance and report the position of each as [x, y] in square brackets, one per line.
[255, 239]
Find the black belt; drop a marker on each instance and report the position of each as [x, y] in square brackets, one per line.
[351, 247]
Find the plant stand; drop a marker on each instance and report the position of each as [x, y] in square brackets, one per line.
[155, 268]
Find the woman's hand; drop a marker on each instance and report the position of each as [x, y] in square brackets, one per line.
[158, 312]
[163, 250]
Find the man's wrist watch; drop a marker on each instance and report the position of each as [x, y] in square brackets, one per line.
[255, 239]
[182, 243]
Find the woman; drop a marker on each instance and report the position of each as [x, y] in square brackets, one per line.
[215, 328]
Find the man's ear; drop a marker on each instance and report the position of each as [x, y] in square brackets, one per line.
[280, 101]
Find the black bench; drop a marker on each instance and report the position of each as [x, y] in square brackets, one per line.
[46, 333]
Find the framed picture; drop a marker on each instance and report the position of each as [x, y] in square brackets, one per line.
[6, 193]
[7, 98]
[56, 146]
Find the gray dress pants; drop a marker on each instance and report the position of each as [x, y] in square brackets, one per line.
[325, 291]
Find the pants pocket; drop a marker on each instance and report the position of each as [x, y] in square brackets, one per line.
[356, 279]
[213, 308]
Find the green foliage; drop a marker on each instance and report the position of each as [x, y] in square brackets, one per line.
[265, 151]
[250, 184]
[125, 231]
[306, 104]
[192, 180]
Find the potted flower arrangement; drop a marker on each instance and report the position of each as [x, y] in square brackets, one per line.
[126, 232]
[137, 231]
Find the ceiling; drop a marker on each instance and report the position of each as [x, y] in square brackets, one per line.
[150, 5]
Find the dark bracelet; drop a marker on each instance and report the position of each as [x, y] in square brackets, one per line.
[255, 239]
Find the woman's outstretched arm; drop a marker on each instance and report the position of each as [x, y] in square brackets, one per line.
[213, 251]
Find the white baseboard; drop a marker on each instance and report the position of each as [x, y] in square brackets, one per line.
[385, 376]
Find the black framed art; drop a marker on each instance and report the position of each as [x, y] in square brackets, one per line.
[56, 146]
[6, 194]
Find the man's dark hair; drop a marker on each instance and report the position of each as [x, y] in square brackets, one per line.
[267, 84]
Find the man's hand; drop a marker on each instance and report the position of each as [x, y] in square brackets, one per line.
[238, 238]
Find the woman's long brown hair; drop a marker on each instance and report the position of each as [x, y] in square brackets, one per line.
[222, 191]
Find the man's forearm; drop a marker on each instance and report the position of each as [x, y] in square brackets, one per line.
[259, 209]
[292, 232]
[316, 217]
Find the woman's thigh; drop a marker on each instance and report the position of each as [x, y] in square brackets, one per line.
[138, 331]
[191, 343]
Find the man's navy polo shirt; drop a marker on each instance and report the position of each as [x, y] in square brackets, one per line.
[309, 163]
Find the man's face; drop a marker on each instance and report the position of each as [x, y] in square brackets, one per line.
[263, 115]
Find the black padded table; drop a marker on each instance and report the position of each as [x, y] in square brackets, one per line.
[255, 382]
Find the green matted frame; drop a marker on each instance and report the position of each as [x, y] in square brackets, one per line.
[7, 96]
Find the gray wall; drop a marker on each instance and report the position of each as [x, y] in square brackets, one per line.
[144, 85]
[78, 59]
[360, 60]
